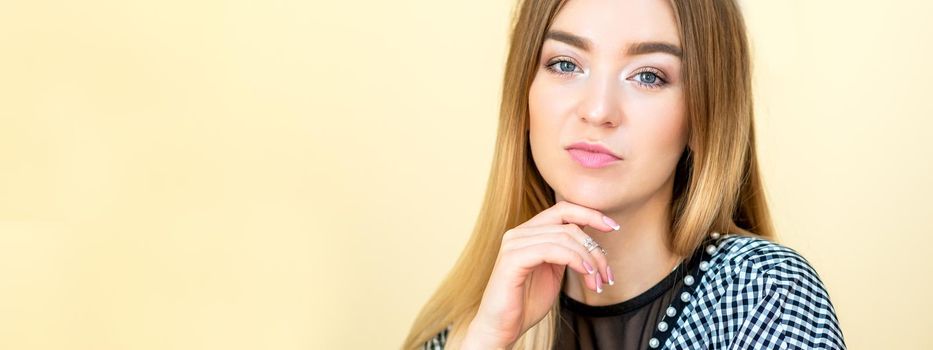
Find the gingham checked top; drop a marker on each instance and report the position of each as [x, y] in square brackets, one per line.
[751, 294]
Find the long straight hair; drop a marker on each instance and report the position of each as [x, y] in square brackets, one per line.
[717, 184]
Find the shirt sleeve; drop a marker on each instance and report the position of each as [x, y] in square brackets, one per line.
[438, 341]
[789, 308]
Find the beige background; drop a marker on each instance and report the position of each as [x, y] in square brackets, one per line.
[300, 175]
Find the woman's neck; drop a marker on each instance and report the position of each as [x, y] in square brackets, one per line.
[639, 253]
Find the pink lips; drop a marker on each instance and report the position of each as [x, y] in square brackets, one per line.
[591, 155]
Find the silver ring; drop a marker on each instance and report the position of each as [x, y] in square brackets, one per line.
[590, 244]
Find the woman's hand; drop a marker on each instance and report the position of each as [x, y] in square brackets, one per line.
[531, 262]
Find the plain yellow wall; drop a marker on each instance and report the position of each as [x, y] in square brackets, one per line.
[301, 175]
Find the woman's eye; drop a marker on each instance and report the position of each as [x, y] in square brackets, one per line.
[566, 66]
[649, 79]
[562, 67]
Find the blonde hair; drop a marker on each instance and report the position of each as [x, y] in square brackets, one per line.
[717, 183]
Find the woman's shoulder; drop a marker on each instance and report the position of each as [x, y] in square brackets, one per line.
[735, 249]
[744, 258]
[741, 262]
[758, 290]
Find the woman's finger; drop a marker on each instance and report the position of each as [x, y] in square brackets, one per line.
[575, 233]
[528, 258]
[590, 273]
[565, 213]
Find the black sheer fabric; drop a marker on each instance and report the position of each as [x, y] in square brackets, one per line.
[625, 325]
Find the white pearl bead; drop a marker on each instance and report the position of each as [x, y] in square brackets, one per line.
[671, 311]
[653, 342]
[685, 296]
[662, 326]
[715, 235]
[704, 265]
[710, 249]
[688, 280]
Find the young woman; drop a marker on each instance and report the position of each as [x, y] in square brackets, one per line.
[625, 208]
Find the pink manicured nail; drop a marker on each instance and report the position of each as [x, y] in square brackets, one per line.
[599, 283]
[589, 268]
[611, 222]
[612, 280]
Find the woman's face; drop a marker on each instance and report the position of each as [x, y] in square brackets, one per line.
[609, 74]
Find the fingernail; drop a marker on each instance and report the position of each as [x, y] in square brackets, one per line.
[599, 284]
[588, 267]
[612, 280]
[611, 222]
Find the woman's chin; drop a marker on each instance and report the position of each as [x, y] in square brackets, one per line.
[593, 198]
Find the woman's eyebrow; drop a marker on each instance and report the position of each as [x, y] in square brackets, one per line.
[639, 48]
[652, 47]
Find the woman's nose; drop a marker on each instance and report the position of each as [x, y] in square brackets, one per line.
[599, 103]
